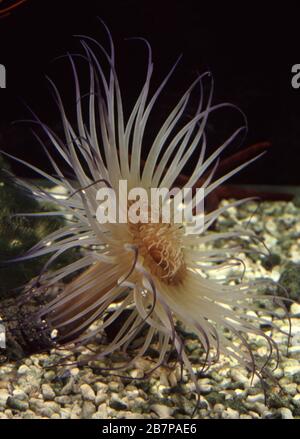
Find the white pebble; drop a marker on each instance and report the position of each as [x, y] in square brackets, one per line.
[87, 392]
[23, 370]
[286, 413]
[230, 414]
[292, 370]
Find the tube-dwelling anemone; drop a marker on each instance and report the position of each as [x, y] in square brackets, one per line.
[158, 271]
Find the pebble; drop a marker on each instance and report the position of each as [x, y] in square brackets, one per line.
[68, 388]
[87, 392]
[260, 408]
[75, 412]
[162, 411]
[137, 373]
[65, 413]
[291, 388]
[255, 398]
[74, 371]
[116, 403]
[29, 414]
[20, 394]
[23, 370]
[17, 404]
[253, 415]
[286, 413]
[49, 375]
[238, 376]
[100, 397]
[205, 388]
[292, 370]
[296, 400]
[129, 415]
[218, 408]
[3, 397]
[63, 400]
[46, 412]
[230, 414]
[101, 412]
[88, 409]
[48, 392]
[294, 349]
[114, 386]
[36, 404]
[52, 406]
[101, 386]
[295, 308]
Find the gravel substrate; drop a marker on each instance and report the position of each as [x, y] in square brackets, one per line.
[30, 389]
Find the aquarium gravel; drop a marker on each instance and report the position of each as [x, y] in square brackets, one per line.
[32, 388]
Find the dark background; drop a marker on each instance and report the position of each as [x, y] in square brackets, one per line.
[249, 50]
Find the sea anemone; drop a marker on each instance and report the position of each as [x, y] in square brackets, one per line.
[158, 271]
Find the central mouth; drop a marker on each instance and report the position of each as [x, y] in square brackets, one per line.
[160, 245]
